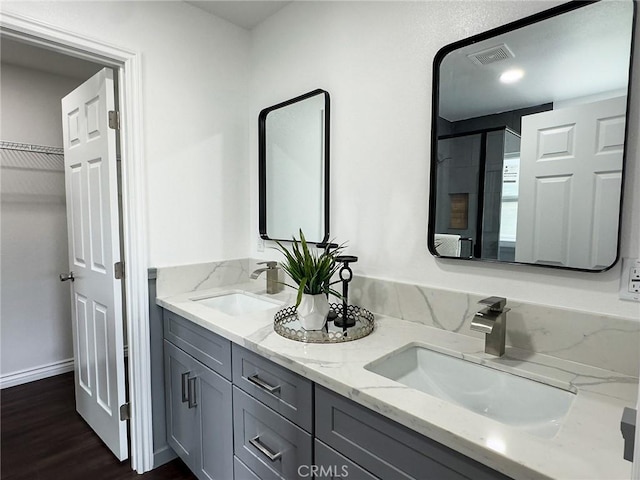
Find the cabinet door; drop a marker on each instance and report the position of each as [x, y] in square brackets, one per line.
[182, 421]
[215, 424]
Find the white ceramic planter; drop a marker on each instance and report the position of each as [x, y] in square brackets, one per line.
[313, 311]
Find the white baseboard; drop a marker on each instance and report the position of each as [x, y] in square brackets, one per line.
[36, 373]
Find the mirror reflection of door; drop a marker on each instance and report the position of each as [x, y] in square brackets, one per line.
[521, 81]
[570, 181]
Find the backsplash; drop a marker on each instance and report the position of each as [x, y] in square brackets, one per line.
[608, 342]
[611, 343]
[201, 276]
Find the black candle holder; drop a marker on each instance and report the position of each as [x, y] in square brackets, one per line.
[345, 320]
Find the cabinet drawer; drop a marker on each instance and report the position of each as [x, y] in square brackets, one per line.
[207, 347]
[269, 444]
[242, 472]
[387, 448]
[331, 465]
[285, 392]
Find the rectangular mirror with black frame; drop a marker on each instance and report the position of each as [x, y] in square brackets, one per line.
[293, 168]
[528, 139]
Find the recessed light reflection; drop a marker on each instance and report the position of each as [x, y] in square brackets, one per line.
[511, 76]
[496, 444]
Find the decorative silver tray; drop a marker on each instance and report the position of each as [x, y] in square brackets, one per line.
[287, 324]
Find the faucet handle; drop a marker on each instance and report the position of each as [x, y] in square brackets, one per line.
[270, 264]
[495, 304]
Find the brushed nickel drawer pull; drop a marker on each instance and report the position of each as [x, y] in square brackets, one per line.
[185, 381]
[264, 450]
[262, 384]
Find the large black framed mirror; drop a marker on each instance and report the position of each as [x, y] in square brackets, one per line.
[293, 168]
[528, 139]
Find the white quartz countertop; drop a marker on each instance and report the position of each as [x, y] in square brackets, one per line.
[589, 444]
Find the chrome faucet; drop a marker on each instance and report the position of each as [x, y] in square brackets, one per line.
[273, 285]
[492, 321]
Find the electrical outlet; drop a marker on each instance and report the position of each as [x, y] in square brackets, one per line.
[260, 244]
[630, 279]
[634, 278]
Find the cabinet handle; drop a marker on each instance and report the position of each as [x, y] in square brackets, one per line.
[192, 392]
[185, 380]
[262, 384]
[255, 441]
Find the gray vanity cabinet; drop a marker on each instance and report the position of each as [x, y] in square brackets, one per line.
[331, 465]
[272, 418]
[386, 448]
[273, 424]
[242, 472]
[199, 407]
[181, 420]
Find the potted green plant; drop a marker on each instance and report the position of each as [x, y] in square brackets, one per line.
[311, 271]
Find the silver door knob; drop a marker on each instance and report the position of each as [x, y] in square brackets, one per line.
[67, 276]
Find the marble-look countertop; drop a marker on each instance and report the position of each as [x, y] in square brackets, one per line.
[589, 444]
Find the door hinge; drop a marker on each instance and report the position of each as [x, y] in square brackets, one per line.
[114, 119]
[125, 412]
[118, 270]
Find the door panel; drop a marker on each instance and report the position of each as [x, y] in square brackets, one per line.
[605, 225]
[552, 193]
[82, 363]
[570, 177]
[97, 226]
[76, 215]
[94, 248]
[101, 343]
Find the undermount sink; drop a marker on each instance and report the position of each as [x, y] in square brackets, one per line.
[529, 405]
[237, 302]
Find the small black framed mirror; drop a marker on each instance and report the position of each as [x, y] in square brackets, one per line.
[529, 129]
[293, 168]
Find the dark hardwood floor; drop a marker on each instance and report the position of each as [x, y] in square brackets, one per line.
[44, 438]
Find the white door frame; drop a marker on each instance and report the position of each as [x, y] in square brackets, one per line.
[127, 65]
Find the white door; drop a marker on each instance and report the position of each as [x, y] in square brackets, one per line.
[570, 181]
[94, 248]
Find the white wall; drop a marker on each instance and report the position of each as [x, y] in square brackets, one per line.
[30, 103]
[375, 59]
[35, 330]
[194, 88]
